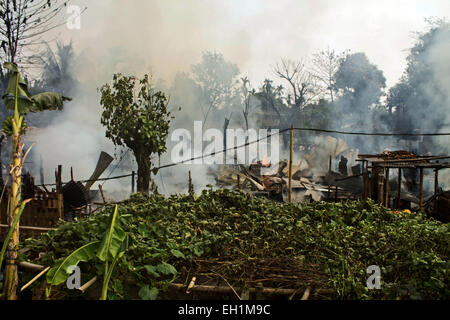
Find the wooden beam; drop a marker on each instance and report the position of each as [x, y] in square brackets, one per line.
[412, 160]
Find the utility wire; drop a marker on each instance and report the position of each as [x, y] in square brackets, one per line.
[123, 156]
[264, 138]
[305, 129]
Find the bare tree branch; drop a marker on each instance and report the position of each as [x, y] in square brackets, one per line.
[300, 80]
[22, 22]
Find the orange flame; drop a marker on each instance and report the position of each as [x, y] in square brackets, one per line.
[265, 162]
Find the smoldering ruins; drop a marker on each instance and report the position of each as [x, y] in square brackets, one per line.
[279, 148]
[339, 93]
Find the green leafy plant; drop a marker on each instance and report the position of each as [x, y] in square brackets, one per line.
[109, 251]
[329, 243]
[138, 120]
[21, 101]
[113, 247]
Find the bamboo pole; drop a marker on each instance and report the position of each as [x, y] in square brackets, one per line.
[29, 228]
[421, 190]
[34, 279]
[31, 266]
[290, 163]
[88, 284]
[223, 289]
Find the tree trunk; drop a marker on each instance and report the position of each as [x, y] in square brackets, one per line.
[143, 173]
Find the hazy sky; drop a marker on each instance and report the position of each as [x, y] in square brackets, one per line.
[169, 35]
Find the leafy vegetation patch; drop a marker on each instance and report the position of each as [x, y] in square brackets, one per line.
[168, 236]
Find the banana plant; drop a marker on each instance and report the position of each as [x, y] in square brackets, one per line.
[21, 101]
[110, 250]
[11, 229]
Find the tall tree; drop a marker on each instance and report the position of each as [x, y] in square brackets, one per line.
[135, 115]
[22, 24]
[325, 64]
[271, 98]
[217, 79]
[421, 99]
[300, 80]
[361, 83]
[247, 94]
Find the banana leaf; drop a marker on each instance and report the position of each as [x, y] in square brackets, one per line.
[58, 274]
[123, 248]
[114, 237]
[47, 101]
[24, 97]
[26, 101]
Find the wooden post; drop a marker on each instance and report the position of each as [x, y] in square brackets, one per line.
[191, 187]
[421, 190]
[60, 204]
[399, 187]
[59, 192]
[71, 173]
[336, 194]
[380, 198]
[436, 187]
[386, 189]
[290, 163]
[238, 181]
[132, 181]
[101, 193]
[329, 178]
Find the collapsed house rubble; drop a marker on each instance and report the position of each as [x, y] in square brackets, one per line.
[48, 206]
[312, 177]
[369, 178]
[407, 190]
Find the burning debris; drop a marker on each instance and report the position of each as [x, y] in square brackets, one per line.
[272, 182]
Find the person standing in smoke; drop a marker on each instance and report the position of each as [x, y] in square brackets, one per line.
[343, 166]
